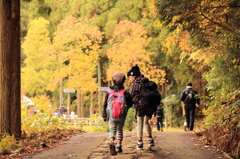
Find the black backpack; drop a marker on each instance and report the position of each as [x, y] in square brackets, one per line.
[149, 96]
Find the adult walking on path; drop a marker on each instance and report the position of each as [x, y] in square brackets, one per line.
[160, 116]
[190, 99]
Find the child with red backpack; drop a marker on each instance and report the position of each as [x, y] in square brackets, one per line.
[117, 102]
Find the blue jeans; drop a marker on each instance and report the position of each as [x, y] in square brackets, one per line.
[159, 120]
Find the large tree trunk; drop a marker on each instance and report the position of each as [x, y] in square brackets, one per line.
[10, 57]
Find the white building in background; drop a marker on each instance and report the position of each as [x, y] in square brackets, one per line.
[26, 100]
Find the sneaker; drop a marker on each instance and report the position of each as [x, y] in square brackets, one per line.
[150, 142]
[112, 148]
[139, 145]
[119, 149]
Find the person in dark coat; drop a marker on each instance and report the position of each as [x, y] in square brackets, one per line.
[62, 110]
[190, 99]
[160, 116]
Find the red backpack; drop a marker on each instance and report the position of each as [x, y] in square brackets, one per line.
[116, 105]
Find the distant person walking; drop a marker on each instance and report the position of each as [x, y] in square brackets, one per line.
[145, 111]
[117, 102]
[62, 110]
[160, 116]
[190, 99]
[73, 114]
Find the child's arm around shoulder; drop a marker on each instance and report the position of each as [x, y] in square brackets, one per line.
[129, 101]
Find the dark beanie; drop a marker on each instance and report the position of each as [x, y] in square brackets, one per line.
[134, 71]
[118, 78]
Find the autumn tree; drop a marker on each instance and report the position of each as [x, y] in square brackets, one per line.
[207, 33]
[204, 18]
[39, 65]
[129, 44]
[42, 102]
[77, 46]
[10, 108]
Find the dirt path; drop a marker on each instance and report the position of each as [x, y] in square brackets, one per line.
[168, 145]
[79, 146]
[182, 145]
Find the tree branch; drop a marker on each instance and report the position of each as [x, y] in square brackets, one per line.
[225, 28]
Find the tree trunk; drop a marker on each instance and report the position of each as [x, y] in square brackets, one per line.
[60, 85]
[91, 105]
[99, 92]
[10, 57]
[79, 104]
[163, 90]
[60, 93]
[104, 94]
[203, 91]
[69, 98]
[82, 106]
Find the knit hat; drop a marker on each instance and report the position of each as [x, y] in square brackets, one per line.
[118, 78]
[134, 71]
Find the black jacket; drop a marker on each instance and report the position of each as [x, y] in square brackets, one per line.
[190, 97]
[127, 95]
[159, 111]
[62, 110]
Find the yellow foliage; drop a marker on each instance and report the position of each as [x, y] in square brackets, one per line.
[39, 68]
[78, 42]
[183, 40]
[42, 102]
[129, 48]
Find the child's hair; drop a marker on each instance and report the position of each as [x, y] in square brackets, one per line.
[189, 84]
[118, 78]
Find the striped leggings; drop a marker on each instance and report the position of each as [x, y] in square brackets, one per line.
[116, 127]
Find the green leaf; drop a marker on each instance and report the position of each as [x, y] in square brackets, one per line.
[234, 60]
